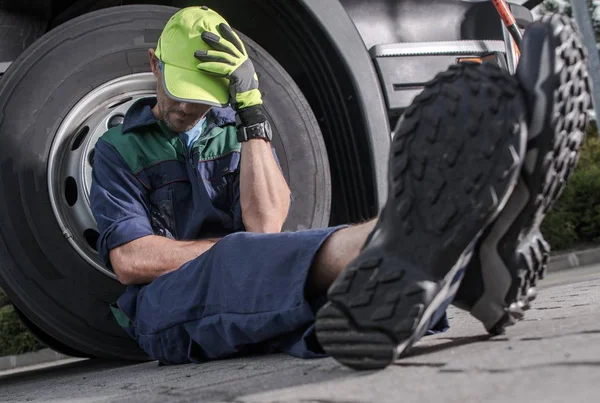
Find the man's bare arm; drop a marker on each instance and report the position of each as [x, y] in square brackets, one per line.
[264, 193]
[144, 259]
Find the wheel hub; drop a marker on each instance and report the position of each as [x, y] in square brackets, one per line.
[72, 153]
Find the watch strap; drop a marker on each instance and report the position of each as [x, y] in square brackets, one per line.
[255, 131]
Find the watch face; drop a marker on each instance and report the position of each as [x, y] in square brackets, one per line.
[262, 130]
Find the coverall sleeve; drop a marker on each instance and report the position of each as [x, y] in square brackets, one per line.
[118, 200]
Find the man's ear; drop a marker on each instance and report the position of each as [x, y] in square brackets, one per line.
[153, 63]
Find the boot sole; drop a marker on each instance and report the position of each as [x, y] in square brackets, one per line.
[514, 254]
[456, 155]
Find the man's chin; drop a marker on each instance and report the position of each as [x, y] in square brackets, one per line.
[178, 127]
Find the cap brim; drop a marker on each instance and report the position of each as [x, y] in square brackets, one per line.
[195, 86]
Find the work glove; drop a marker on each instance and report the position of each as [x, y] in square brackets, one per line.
[228, 58]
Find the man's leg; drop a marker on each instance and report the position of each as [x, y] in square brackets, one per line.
[336, 253]
[250, 292]
[511, 257]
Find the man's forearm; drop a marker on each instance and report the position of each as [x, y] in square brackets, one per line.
[144, 259]
[264, 194]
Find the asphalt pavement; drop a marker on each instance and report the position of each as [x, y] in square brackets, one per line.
[553, 355]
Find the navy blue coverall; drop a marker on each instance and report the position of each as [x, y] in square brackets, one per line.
[247, 293]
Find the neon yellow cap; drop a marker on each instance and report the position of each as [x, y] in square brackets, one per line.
[179, 40]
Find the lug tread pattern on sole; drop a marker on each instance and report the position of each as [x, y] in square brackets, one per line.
[360, 349]
[446, 184]
[569, 117]
[571, 100]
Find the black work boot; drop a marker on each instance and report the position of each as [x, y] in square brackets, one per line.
[454, 161]
[511, 257]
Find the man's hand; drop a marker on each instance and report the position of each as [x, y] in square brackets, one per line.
[229, 59]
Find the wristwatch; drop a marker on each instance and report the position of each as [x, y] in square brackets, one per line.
[256, 131]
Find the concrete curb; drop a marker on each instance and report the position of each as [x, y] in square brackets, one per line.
[571, 260]
[29, 359]
[557, 262]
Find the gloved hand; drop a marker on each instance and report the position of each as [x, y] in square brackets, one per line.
[229, 59]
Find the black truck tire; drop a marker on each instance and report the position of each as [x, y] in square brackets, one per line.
[48, 280]
[17, 32]
[48, 340]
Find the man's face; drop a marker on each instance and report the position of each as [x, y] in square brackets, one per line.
[178, 116]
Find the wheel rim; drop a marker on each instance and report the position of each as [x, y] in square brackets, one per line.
[71, 157]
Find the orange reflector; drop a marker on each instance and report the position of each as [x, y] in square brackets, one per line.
[469, 60]
[516, 49]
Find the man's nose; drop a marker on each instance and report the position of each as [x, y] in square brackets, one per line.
[186, 107]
